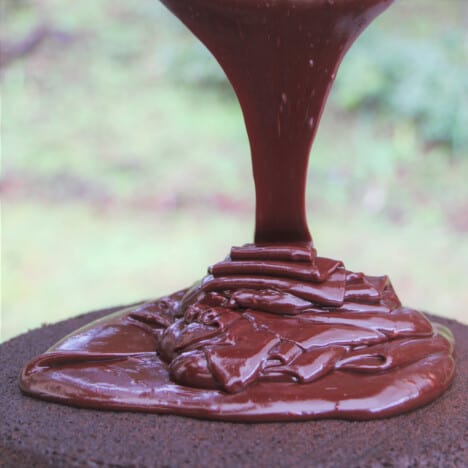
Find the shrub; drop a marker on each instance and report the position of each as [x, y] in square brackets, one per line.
[413, 79]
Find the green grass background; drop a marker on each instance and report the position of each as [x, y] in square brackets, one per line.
[126, 171]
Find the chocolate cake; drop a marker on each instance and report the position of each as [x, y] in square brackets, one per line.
[274, 332]
[37, 433]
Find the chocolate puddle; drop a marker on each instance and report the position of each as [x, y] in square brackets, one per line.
[273, 332]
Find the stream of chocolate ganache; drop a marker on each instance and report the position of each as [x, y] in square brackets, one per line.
[274, 331]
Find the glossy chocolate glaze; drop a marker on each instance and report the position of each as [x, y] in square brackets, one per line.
[273, 331]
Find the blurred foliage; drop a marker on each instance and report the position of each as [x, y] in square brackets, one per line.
[412, 79]
[192, 64]
[123, 146]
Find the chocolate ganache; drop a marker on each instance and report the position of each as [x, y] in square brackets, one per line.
[274, 331]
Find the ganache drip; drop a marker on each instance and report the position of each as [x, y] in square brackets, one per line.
[273, 332]
[280, 313]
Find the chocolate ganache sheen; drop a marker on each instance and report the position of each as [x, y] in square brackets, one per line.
[274, 331]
